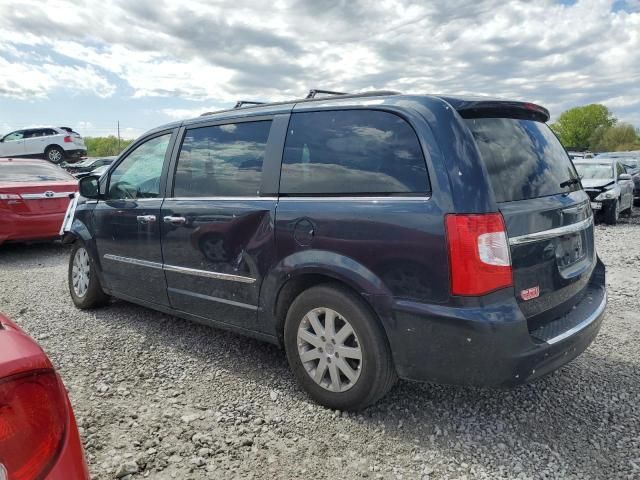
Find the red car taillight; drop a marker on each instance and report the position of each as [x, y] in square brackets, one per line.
[68, 139]
[478, 253]
[33, 416]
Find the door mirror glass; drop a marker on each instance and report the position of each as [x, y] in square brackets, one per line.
[90, 187]
[624, 176]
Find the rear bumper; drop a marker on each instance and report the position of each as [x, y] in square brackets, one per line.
[30, 227]
[76, 153]
[490, 345]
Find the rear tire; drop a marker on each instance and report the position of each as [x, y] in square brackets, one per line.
[54, 154]
[84, 285]
[612, 214]
[347, 367]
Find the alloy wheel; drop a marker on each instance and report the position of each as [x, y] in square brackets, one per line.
[329, 349]
[54, 155]
[80, 272]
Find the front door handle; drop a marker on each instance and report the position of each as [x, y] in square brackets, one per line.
[175, 220]
[145, 219]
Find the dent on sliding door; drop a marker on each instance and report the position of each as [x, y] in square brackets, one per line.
[217, 231]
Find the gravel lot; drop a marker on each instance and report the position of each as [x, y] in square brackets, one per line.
[166, 398]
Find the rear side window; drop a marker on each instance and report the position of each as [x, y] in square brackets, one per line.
[352, 152]
[524, 158]
[16, 172]
[222, 160]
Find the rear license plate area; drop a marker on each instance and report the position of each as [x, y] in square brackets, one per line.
[596, 206]
[570, 249]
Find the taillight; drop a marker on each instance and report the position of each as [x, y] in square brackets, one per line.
[33, 416]
[478, 253]
[68, 139]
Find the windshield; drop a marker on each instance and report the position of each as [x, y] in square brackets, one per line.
[595, 171]
[16, 172]
[524, 159]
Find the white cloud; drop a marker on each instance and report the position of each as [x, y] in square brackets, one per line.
[27, 81]
[216, 52]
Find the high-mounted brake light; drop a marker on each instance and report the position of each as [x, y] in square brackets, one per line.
[478, 253]
[33, 416]
[68, 139]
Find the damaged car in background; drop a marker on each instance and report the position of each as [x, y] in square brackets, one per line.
[609, 187]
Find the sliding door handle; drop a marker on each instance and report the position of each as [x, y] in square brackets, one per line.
[145, 219]
[175, 220]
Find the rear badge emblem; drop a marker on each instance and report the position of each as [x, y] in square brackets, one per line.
[530, 293]
[49, 194]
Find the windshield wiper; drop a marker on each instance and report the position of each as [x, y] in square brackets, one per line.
[568, 183]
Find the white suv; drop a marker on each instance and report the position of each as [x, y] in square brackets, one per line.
[52, 143]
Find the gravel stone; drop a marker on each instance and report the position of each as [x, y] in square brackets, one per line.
[159, 397]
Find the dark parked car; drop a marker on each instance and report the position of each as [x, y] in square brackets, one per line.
[608, 185]
[374, 236]
[87, 165]
[632, 164]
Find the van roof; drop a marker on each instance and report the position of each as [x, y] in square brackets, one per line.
[467, 106]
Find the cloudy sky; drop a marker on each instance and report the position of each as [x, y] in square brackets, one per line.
[87, 64]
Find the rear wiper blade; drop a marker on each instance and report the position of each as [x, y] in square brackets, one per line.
[568, 183]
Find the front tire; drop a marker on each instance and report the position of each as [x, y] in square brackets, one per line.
[337, 349]
[612, 215]
[54, 154]
[84, 285]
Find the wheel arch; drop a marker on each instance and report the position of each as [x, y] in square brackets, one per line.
[285, 284]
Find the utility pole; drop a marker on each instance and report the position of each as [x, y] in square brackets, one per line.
[119, 137]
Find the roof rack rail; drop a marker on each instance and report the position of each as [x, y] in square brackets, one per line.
[240, 103]
[313, 92]
[308, 98]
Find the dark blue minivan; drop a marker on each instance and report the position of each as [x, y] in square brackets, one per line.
[373, 236]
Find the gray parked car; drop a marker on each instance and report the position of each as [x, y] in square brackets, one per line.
[608, 185]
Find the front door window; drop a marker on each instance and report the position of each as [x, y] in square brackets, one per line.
[138, 175]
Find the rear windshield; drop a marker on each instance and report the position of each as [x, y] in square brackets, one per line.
[523, 157]
[16, 172]
[595, 171]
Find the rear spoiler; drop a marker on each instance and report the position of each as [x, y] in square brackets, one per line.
[499, 108]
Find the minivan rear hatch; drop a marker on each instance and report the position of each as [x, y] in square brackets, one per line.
[547, 214]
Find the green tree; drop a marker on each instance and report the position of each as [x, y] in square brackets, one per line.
[617, 138]
[577, 126]
[104, 146]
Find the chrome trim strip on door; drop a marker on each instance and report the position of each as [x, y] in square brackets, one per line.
[187, 271]
[208, 274]
[353, 198]
[213, 299]
[39, 196]
[133, 261]
[242, 199]
[356, 198]
[554, 232]
[582, 325]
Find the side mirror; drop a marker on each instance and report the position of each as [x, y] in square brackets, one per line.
[624, 176]
[90, 187]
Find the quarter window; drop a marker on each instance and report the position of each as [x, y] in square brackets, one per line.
[222, 160]
[352, 152]
[138, 175]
